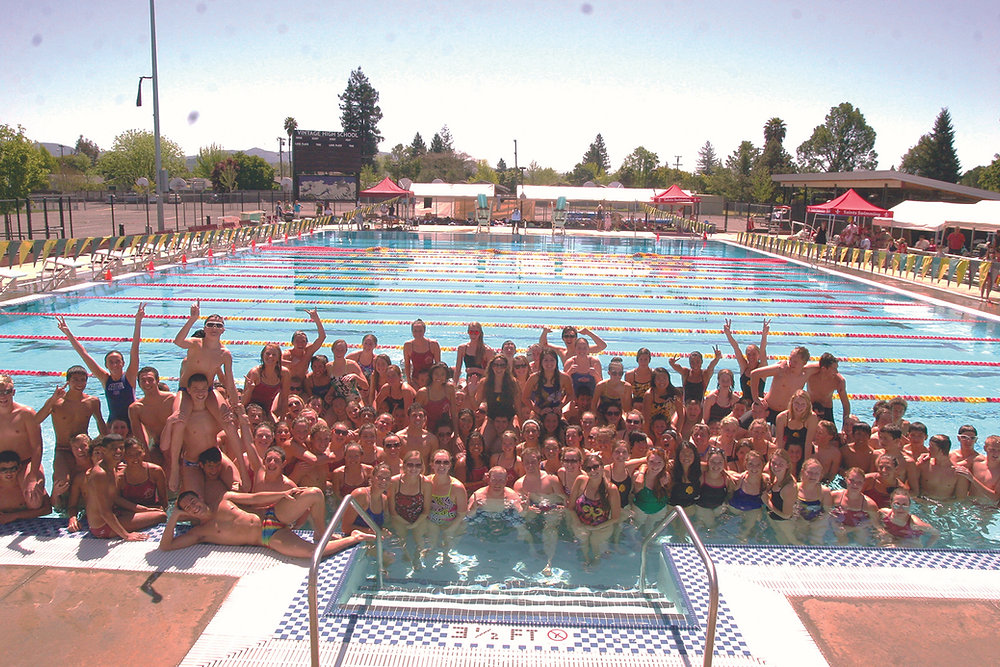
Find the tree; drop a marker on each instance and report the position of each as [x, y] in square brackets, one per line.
[225, 175]
[88, 148]
[417, 146]
[401, 164]
[735, 182]
[253, 172]
[536, 174]
[290, 126]
[485, 173]
[989, 179]
[775, 130]
[437, 143]
[208, 157]
[22, 168]
[637, 168]
[934, 154]
[597, 154]
[132, 156]
[453, 167]
[360, 113]
[845, 142]
[708, 161]
[442, 142]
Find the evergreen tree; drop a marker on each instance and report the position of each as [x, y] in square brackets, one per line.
[417, 146]
[708, 161]
[934, 154]
[360, 113]
[88, 148]
[437, 143]
[597, 154]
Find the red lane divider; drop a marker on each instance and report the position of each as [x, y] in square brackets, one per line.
[491, 306]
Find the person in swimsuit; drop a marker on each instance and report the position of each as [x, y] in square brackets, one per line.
[651, 483]
[471, 465]
[880, 485]
[449, 502]
[719, 403]
[507, 457]
[780, 497]
[755, 357]
[613, 392]
[378, 379]
[596, 509]
[142, 484]
[569, 338]
[13, 506]
[365, 357]
[853, 513]
[348, 380]
[662, 398]
[748, 490]
[352, 475]
[230, 524]
[419, 354]
[548, 390]
[395, 397]
[583, 369]
[118, 381]
[373, 500]
[797, 424]
[495, 510]
[544, 500]
[812, 503]
[695, 379]
[409, 505]
[641, 377]
[475, 354]
[716, 486]
[899, 528]
[296, 359]
[686, 477]
[268, 384]
[102, 492]
[438, 397]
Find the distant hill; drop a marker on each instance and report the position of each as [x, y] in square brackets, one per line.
[271, 157]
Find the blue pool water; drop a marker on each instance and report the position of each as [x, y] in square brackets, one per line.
[671, 296]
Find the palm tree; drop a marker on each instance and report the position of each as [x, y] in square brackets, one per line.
[290, 126]
[774, 129]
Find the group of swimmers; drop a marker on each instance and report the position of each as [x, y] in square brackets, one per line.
[536, 444]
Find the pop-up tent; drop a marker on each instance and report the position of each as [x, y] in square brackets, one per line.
[385, 190]
[849, 203]
[674, 195]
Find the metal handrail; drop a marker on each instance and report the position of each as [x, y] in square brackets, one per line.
[318, 556]
[713, 581]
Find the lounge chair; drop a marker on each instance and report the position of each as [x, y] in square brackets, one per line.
[559, 217]
[482, 213]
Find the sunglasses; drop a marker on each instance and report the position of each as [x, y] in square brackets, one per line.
[632, 421]
[341, 431]
[214, 325]
[520, 365]
[391, 445]
[7, 392]
[592, 468]
[9, 469]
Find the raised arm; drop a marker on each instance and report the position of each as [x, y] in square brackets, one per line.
[598, 345]
[95, 368]
[132, 371]
[169, 542]
[181, 339]
[740, 359]
[315, 346]
[763, 341]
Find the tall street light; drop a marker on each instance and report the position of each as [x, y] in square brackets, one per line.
[156, 122]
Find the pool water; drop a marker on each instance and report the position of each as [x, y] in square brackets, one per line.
[669, 295]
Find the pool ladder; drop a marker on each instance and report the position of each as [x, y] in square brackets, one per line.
[318, 556]
[713, 580]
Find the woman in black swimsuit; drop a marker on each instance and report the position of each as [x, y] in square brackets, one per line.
[475, 354]
[695, 379]
[549, 389]
[756, 356]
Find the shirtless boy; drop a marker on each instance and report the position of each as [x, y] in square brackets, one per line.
[296, 359]
[190, 437]
[569, 336]
[231, 525]
[71, 412]
[102, 492]
[984, 475]
[149, 414]
[823, 383]
[415, 436]
[21, 433]
[938, 477]
[788, 376]
[858, 453]
[12, 504]
[966, 454]
[545, 501]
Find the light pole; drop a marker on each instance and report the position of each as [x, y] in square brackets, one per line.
[281, 159]
[158, 178]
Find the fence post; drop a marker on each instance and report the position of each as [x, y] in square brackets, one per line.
[27, 203]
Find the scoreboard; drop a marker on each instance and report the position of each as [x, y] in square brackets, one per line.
[326, 152]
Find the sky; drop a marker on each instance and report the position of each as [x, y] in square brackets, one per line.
[551, 75]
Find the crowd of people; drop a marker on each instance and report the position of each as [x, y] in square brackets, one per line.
[545, 444]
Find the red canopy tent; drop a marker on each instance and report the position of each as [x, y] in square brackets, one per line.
[386, 190]
[849, 203]
[674, 195]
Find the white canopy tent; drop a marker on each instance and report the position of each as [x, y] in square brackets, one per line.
[926, 216]
[984, 215]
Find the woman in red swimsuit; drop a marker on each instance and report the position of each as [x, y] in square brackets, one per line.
[409, 504]
[143, 490]
[268, 382]
[900, 528]
[853, 512]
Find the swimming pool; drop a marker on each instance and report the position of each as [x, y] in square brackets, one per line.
[669, 295]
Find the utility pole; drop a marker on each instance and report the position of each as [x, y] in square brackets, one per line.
[156, 122]
[281, 159]
[677, 162]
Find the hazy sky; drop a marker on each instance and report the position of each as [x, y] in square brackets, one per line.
[666, 75]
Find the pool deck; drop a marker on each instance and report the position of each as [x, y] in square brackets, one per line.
[104, 602]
